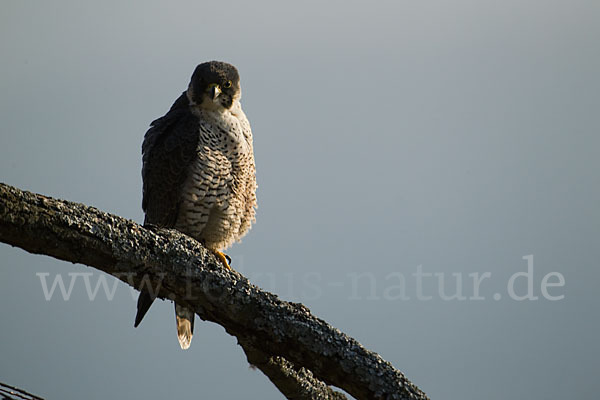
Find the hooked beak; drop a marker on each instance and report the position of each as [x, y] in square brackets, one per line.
[215, 91]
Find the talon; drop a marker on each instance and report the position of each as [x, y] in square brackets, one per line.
[223, 258]
[228, 260]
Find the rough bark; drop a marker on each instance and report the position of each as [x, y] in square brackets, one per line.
[299, 352]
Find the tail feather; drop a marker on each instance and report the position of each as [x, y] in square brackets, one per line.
[143, 305]
[185, 325]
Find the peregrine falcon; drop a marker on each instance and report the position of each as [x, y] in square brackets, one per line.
[198, 171]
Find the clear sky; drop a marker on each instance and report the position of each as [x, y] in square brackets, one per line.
[400, 146]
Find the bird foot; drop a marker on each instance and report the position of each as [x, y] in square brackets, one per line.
[224, 258]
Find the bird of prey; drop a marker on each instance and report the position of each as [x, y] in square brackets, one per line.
[198, 171]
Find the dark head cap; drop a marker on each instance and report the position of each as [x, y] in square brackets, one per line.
[214, 83]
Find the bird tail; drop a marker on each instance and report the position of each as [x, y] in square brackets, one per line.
[185, 325]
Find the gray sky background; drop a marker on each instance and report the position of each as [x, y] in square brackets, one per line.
[459, 136]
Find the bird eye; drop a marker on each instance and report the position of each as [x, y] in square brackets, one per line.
[227, 85]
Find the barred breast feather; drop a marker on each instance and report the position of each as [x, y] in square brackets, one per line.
[218, 196]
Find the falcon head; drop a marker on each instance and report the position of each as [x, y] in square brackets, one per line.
[214, 85]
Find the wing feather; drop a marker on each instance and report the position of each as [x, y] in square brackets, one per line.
[168, 149]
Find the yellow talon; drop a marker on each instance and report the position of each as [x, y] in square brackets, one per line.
[223, 258]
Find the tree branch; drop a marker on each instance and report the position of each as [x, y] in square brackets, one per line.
[300, 353]
[293, 383]
[8, 392]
